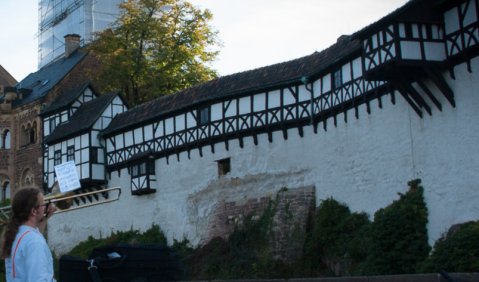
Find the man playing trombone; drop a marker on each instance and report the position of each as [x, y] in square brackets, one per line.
[27, 255]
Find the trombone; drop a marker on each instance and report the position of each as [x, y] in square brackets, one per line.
[72, 200]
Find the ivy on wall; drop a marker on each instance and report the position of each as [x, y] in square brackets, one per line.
[338, 242]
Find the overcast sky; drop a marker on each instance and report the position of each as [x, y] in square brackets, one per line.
[254, 33]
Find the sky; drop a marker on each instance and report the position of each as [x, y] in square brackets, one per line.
[253, 33]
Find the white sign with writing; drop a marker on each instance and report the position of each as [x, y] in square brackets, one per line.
[67, 176]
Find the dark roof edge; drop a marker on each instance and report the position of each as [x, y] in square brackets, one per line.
[389, 17]
[49, 140]
[79, 91]
[266, 87]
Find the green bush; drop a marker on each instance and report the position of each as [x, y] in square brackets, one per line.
[337, 240]
[337, 243]
[398, 235]
[5, 203]
[152, 235]
[456, 251]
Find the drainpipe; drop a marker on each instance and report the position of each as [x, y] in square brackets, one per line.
[304, 80]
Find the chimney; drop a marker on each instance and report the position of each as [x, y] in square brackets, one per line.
[72, 43]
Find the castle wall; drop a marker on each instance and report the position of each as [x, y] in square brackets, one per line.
[364, 163]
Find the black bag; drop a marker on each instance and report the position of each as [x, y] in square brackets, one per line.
[128, 263]
[73, 269]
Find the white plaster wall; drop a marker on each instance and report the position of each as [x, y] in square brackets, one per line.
[364, 163]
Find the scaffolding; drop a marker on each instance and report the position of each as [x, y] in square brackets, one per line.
[58, 18]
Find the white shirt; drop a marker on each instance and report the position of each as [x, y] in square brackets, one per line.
[31, 259]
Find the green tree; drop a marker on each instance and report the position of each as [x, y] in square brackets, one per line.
[399, 241]
[154, 48]
[337, 243]
[457, 250]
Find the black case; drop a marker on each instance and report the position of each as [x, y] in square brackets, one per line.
[128, 263]
[73, 269]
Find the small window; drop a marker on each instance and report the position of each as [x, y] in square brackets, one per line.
[429, 34]
[408, 31]
[224, 166]
[6, 191]
[94, 155]
[6, 140]
[24, 136]
[203, 116]
[134, 171]
[71, 153]
[31, 136]
[143, 168]
[143, 179]
[53, 125]
[57, 158]
[337, 80]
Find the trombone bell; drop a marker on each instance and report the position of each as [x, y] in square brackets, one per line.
[60, 201]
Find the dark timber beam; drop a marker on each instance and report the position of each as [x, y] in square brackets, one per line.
[429, 94]
[413, 105]
[441, 83]
[300, 131]
[227, 147]
[417, 97]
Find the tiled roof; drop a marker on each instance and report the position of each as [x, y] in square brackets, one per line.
[83, 119]
[36, 85]
[65, 99]
[257, 80]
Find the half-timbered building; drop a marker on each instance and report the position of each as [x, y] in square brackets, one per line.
[20, 104]
[74, 125]
[390, 103]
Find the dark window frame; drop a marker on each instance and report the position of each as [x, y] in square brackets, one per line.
[6, 139]
[71, 153]
[336, 79]
[52, 124]
[31, 136]
[204, 116]
[142, 168]
[57, 157]
[94, 155]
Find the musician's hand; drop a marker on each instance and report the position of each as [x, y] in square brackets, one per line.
[51, 208]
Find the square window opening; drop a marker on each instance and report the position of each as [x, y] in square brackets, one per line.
[224, 166]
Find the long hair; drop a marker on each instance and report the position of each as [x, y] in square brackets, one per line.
[23, 202]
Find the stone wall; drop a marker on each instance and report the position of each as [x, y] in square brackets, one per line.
[28, 156]
[363, 163]
[291, 211]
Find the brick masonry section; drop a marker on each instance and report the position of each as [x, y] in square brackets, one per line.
[292, 207]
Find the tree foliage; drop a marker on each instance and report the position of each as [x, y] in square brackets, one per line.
[337, 242]
[155, 47]
[456, 251]
[398, 235]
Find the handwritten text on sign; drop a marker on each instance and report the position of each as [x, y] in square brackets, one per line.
[67, 176]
